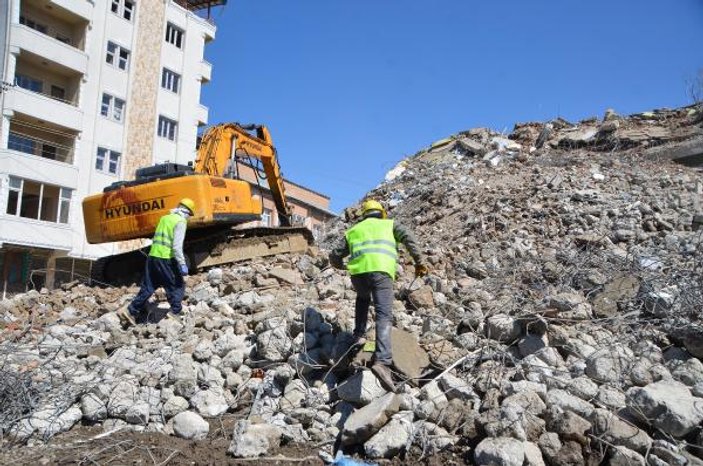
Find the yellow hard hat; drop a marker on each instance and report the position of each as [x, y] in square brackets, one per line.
[188, 202]
[372, 205]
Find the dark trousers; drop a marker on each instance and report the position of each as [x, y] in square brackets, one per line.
[379, 287]
[160, 272]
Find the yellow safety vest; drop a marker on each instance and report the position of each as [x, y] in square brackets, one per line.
[162, 243]
[372, 247]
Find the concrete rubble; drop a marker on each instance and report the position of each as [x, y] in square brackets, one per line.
[560, 323]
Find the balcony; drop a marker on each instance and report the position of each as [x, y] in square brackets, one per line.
[49, 48]
[201, 115]
[36, 138]
[205, 71]
[45, 108]
[81, 8]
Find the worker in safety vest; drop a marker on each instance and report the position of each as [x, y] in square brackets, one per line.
[371, 245]
[166, 264]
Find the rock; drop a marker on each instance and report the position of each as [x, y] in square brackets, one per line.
[250, 440]
[365, 422]
[393, 438]
[408, 357]
[568, 402]
[610, 364]
[293, 395]
[286, 275]
[433, 393]
[611, 397]
[533, 455]
[502, 451]
[689, 372]
[214, 276]
[122, 397]
[210, 403]
[456, 388]
[361, 388]
[189, 425]
[274, 345]
[93, 408]
[621, 289]
[615, 431]
[432, 438]
[567, 424]
[531, 343]
[502, 327]
[138, 413]
[583, 387]
[423, 297]
[622, 456]
[668, 405]
[175, 405]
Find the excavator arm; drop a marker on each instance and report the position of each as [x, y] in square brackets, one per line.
[223, 143]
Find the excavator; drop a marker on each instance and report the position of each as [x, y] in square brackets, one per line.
[129, 210]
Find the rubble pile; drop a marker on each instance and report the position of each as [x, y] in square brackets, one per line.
[560, 323]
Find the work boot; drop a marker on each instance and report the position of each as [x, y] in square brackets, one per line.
[125, 315]
[383, 373]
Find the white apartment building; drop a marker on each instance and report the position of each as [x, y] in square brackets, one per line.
[91, 91]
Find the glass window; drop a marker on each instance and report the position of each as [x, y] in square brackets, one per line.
[128, 10]
[124, 59]
[21, 143]
[33, 24]
[48, 151]
[174, 35]
[107, 161]
[118, 112]
[49, 204]
[58, 92]
[115, 7]
[106, 104]
[65, 204]
[13, 198]
[30, 199]
[111, 49]
[29, 83]
[170, 80]
[167, 128]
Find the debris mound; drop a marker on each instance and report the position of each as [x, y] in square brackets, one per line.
[560, 322]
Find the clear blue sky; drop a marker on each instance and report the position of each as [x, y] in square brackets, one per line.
[350, 87]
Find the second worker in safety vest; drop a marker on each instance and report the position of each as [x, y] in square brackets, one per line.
[166, 264]
[372, 247]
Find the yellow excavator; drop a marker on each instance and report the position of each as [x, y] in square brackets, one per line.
[128, 210]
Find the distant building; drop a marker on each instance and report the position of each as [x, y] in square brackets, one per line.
[91, 90]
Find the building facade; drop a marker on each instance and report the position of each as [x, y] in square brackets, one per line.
[91, 91]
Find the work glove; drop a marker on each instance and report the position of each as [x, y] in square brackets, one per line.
[183, 268]
[420, 270]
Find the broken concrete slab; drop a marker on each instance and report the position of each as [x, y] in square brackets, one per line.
[365, 422]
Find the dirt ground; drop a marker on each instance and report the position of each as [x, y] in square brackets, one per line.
[85, 446]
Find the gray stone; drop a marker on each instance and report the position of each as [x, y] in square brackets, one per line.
[293, 395]
[250, 440]
[183, 375]
[568, 402]
[214, 276]
[566, 423]
[210, 403]
[204, 351]
[611, 397]
[433, 393]
[174, 405]
[502, 327]
[122, 397]
[191, 426]
[228, 342]
[622, 456]
[138, 413]
[531, 344]
[274, 345]
[615, 431]
[109, 322]
[393, 438]
[286, 275]
[668, 405]
[93, 408]
[609, 364]
[583, 387]
[457, 388]
[408, 357]
[503, 451]
[431, 438]
[361, 388]
[533, 455]
[365, 422]
[689, 372]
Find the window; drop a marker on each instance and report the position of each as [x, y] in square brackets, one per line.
[21, 143]
[58, 92]
[167, 128]
[174, 35]
[112, 108]
[107, 161]
[33, 24]
[117, 56]
[170, 80]
[29, 83]
[266, 218]
[123, 8]
[30, 199]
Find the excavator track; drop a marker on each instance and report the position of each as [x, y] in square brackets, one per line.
[206, 248]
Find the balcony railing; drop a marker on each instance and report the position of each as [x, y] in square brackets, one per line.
[48, 31]
[56, 94]
[32, 145]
